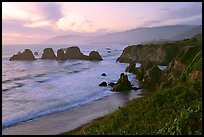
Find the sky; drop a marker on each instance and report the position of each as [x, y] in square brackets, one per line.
[35, 22]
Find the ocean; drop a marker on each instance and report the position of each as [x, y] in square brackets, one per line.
[31, 89]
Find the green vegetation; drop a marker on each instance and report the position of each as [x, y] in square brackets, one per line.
[176, 110]
[173, 108]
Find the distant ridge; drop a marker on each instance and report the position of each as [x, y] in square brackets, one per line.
[189, 33]
[132, 36]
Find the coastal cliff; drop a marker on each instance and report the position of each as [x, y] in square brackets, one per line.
[174, 106]
[160, 54]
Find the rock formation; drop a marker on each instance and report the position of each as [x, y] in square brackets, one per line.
[103, 84]
[49, 54]
[152, 77]
[36, 53]
[26, 55]
[94, 55]
[103, 74]
[123, 84]
[159, 54]
[74, 53]
[61, 55]
[131, 68]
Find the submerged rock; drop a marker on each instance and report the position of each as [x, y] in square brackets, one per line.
[26, 55]
[74, 53]
[123, 84]
[61, 55]
[94, 55]
[48, 53]
[103, 84]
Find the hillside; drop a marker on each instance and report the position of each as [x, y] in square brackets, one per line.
[132, 36]
[71, 39]
[174, 106]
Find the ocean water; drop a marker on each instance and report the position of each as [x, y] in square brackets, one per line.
[31, 89]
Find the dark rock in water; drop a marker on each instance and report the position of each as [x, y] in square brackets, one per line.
[109, 51]
[103, 74]
[61, 55]
[94, 55]
[123, 84]
[111, 84]
[26, 55]
[103, 84]
[36, 53]
[48, 53]
[74, 53]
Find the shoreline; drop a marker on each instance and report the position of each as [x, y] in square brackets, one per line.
[71, 119]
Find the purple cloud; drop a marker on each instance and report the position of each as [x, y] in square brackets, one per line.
[50, 11]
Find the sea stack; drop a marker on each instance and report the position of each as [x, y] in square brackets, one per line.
[26, 55]
[123, 84]
[61, 55]
[74, 53]
[94, 55]
[49, 54]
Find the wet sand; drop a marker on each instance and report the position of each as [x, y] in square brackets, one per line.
[71, 119]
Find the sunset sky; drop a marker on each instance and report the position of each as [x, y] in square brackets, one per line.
[34, 22]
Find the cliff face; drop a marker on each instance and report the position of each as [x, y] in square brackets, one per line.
[141, 53]
[185, 66]
[159, 54]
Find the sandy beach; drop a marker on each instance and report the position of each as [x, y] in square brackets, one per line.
[71, 119]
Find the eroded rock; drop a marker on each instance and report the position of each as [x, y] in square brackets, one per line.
[49, 54]
[94, 55]
[123, 84]
[61, 55]
[26, 55]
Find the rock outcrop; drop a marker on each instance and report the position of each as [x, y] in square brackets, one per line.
[75, 53]
[142, 53]
[36, 53]
[26, 55]
[131, 68]
[61, 55]
[152, 77]
[103, 74]
[104, 84]
[123, 84]
[94, 55]
[49, 54]
[159, 54]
